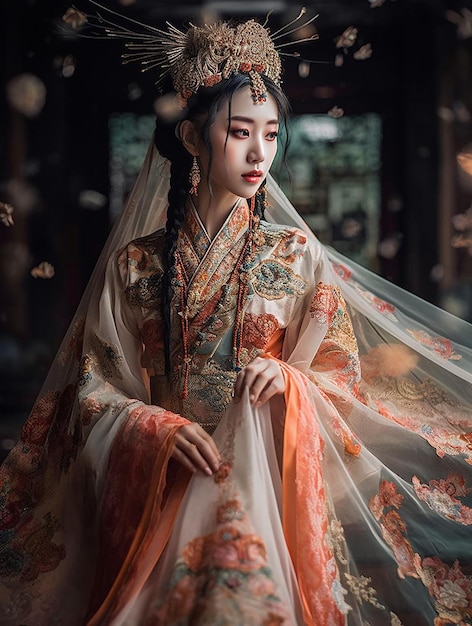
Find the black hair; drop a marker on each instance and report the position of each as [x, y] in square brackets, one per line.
[201, 110]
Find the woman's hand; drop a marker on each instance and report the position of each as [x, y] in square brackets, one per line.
[263, 378]
[195, 449]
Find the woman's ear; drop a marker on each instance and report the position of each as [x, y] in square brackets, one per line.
[190, 137]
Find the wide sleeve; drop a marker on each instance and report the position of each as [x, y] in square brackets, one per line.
[91, 473]
[128, 441]
[320, 340]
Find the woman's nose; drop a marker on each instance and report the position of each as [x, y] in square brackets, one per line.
[256, 154]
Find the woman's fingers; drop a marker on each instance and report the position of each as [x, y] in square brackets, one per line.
[263, 379]
[275, 388]
[196, 450]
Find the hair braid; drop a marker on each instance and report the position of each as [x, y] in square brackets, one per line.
[181, 162]
[179, 188]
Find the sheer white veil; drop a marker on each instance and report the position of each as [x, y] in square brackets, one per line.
[436, 334]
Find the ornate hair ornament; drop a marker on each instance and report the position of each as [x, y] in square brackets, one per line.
[201, 56]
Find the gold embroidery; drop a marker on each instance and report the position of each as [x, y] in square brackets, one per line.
[105, 357]
[341, 330]
[360, 588]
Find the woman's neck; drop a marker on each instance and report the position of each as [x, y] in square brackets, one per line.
[213, 211]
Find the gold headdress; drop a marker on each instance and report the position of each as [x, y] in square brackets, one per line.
[202, 55]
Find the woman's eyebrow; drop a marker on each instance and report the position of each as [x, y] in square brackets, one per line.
[248, 120]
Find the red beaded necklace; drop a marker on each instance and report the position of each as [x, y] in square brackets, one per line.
[239, 268]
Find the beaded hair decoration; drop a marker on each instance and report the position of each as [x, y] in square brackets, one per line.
[201, 56]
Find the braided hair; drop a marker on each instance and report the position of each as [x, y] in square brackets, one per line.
[202, 109]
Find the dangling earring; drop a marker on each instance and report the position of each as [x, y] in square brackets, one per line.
[261, 199]
[194, 177]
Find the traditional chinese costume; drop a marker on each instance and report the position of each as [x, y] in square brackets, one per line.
[347, 501]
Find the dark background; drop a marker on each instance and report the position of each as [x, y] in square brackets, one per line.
[418, 80]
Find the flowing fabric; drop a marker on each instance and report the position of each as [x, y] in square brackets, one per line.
[347, 501]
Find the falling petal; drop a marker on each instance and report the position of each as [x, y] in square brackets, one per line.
[92, 200]
[463, 21]
[26, 93]
[395, 204]
[6, 214]
[168, 107]
[437, 273]
[7, 444]
[389, 247]
[339, 60]
[351, 228]
[43, 270]
[374, 4]
[348, 38]
[134, 92]
[463, 221]
[336, 112]
[461, 112]
[464, 159]
[22, 194]
[127, 3]
[446, 114]
[68, 66]
[74, 18]
[364, 52]
[303, 69]
[462, 241]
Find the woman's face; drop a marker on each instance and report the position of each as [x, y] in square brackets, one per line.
[244, 146]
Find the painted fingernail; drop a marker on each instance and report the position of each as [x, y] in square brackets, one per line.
[208, 471]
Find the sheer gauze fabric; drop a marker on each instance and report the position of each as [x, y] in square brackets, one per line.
[349, 502]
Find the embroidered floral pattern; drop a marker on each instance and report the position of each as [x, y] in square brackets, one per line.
[133, 457]
[382, 306]
[448, 585]
[140, 266]
[145, 292]
[439, 495]
[223, 573]
[33, 550]
[74, 347]
[384, 507]
[152, 334]
[273, 280]
[328, 307]
[361, 589]
[289, 249]
[425, 409]
[450, 588]
[48, 424]
[325, 303]
[91, 408]
[342, 271]
[439, 345]
[27, 542]
[105, 358]
[258, 330]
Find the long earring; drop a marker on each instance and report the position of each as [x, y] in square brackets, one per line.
[195, 177]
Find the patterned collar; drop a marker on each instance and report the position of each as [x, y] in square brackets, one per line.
[196, 236]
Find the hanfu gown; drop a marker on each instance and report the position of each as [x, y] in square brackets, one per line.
[346, 501]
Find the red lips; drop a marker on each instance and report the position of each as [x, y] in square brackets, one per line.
[254, 177]
[253, 174]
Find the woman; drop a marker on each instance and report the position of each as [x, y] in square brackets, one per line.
[228, 441]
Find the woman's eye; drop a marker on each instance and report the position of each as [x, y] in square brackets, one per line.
[240, 132]
[273, 135]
